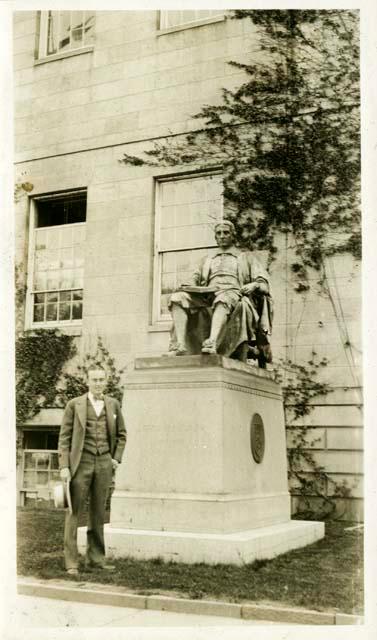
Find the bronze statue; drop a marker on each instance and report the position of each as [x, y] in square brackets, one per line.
[227, 309]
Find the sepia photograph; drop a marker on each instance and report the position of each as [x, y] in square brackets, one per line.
[185, 233]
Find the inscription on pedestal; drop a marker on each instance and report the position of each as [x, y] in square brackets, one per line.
[257, 438]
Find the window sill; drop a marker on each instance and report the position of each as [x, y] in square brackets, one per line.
[72, 330]
[64, 54]
[190, 25]
[160, 327]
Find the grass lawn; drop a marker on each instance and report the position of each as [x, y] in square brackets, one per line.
[325, 576]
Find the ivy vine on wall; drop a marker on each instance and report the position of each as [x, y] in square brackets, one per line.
[315, 488]
[40, 360]
[41, 377]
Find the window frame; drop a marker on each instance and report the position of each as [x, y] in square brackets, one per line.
[29, 303]
[42, 55]
[219, 17]
[50, 483]
[159, 322]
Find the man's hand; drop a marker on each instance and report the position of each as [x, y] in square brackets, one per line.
[65, 474]
[115, 464]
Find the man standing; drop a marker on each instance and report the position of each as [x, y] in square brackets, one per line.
[91, 444]
[227, 305]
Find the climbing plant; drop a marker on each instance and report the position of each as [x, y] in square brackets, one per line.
[287, 138]
[41, 376]
[76, 384]
[308, 479]
[40, 359]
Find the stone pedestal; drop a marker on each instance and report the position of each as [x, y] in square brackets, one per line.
[204, 477]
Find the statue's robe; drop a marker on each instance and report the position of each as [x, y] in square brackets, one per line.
[249, 324]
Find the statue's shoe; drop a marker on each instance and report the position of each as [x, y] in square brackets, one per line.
[181, 349]
[209, 346]
[178, 349]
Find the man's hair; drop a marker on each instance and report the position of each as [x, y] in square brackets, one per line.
[226, 223]
[96, 367]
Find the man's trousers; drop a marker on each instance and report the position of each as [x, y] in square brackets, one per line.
[93, 477]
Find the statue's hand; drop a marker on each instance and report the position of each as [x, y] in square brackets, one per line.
[249, 288]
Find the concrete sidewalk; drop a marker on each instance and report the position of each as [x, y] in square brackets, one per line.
[113, 601]
[36, 612]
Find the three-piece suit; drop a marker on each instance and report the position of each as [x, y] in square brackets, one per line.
[87, 445]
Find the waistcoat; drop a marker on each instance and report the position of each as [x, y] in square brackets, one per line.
[96, 433]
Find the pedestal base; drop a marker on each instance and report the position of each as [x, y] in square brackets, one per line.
[205, 471]
[233, 548]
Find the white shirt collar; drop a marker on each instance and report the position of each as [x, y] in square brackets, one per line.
[94, 400]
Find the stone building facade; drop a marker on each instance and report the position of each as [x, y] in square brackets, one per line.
[102, 243]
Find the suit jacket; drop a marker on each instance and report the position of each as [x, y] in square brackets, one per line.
[72, 431]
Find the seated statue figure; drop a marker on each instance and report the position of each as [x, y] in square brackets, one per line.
[227, 309]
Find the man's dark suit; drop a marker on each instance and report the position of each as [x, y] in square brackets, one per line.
[90, 473]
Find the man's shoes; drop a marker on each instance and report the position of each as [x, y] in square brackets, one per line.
[108, 567]
[101, 567]
[209, 346]
[73, 571]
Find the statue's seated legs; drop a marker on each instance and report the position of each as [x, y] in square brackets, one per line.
[184, 305]
[219, 319]
[206, 324]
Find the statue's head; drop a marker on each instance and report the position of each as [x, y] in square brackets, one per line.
[225, 233]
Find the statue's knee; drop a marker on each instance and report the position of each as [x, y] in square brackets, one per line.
[178, 298]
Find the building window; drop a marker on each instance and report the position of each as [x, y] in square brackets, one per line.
[40, 472]
[169, 19]
[65, 31]
[187, 209]
[56, 260]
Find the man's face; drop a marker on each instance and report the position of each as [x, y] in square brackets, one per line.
[224, 236]
[97, 381]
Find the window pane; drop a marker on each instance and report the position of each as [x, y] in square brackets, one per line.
[78, 279]
[189, 208]
[54, 477]
[88, 27]
[65, 296]
[52, 32]
[35, 440]
[64, 30]
[54, 464]
[30, 479]
[177, 268]
[52, 312]
[64, 311]
[43, 461]
[67, 279]
[29, 460]
[77, 311]
[40, 281]
[67, 236]
[77, 295]
[39, 297]
[52, 297]
[42, 478]
[174, 18]
[38, 313]
[52, 280]
[77, 28]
